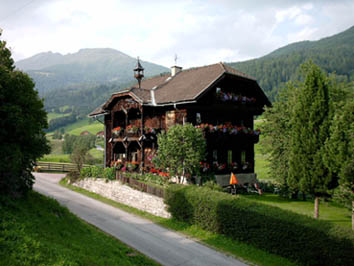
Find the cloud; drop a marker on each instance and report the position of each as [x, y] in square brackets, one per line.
[200, 32]
[303, 19]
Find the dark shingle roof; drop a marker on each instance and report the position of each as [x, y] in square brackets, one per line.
[185, 86]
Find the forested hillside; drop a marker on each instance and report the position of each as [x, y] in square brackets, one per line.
[86, 68]
[77, 102]
[333, 54]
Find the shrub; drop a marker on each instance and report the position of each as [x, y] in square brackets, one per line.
[268, 186]
[297, 237]
[97, 171]
[212, 185]
[109, 173]
[85, 172]
[73, 176]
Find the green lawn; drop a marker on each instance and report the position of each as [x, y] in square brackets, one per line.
[329, 211]
[36, 230]
[261, 164]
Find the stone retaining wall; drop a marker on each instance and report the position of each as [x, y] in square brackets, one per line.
[114, 190]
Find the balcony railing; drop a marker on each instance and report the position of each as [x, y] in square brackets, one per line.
[134, 132]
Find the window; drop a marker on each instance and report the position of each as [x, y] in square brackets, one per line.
[198, 118]
[229, 157]
[215, 155]
[243, 157]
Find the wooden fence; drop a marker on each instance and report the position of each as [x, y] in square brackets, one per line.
[159, 192]
[56, 167]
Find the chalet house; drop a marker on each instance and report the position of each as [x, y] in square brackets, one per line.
[217, 98]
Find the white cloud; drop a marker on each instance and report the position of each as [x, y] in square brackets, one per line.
[200, 32]
[303, 19]
[307, 6]
[304, 34]
[289, 14]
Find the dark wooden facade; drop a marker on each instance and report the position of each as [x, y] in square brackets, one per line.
[225, 111]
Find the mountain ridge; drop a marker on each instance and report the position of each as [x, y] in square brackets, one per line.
[334, 54]
[85, 68]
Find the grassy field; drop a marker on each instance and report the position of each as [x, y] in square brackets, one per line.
[261, 164]
[92, 128]
[36, 230]
[56, 154]
[56, 158]
[97, 154]
[329, 211]
[83, 125]
[80, 126]
[51, 116]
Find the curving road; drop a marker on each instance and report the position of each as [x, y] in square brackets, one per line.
[162, 245]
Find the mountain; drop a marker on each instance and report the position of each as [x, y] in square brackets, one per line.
[86, 68]
[333, 54]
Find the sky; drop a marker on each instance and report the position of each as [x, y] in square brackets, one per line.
[199, 32]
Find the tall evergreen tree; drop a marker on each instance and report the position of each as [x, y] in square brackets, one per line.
[276, 131]
[310, 129]
[339, 156]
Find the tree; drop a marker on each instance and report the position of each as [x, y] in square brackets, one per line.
[339, 156]
[276, 132]
[310, 129]
[23, 119]
[78, 156]
[181, 150]
[70, 141]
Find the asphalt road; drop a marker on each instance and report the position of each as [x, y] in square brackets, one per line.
[162, 245]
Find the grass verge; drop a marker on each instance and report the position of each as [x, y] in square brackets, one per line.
[329, 211]
[36, 230]
[219, 242]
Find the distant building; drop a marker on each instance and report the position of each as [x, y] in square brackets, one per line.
[217, 98]
[100, 134]
[85, 133]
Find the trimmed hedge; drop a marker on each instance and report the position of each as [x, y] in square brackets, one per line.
[300, 238]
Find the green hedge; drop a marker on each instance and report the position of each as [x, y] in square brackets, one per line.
[300, 238]
[99, 172]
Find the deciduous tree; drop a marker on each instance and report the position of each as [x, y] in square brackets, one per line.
[181, 150]
[22, 120]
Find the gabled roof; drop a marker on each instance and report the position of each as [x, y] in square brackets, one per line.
[185, 86]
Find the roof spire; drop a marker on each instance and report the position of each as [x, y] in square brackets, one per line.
[176, 57]
[138, 72]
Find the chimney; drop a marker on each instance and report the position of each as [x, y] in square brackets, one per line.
[175, 70]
